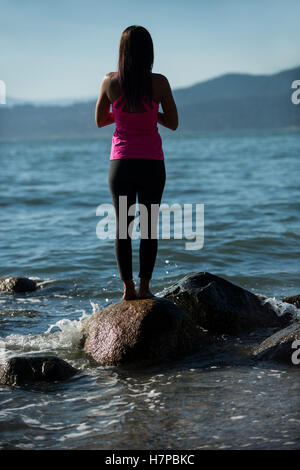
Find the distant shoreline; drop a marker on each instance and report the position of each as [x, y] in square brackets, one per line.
[179, 134]
[229, 103]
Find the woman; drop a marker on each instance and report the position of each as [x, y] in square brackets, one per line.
[136, 159]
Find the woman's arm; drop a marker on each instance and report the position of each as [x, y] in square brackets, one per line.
[103, 116]
[161, 119]
[169, 117]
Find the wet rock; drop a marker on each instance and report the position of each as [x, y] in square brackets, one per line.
[16, 284]
[281, 347]
[140, 332]
[25, 370]
[292, 299]
[222, 307]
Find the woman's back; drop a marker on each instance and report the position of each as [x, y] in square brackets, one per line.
[114, 90]
[136, 134]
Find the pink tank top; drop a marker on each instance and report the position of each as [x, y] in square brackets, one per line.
[136, 134]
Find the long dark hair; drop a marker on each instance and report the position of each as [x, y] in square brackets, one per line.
[135, 64]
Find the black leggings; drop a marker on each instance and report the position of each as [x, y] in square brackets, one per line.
[145, 178]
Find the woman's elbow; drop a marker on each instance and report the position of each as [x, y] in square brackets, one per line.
[99, 122]
[98, 118]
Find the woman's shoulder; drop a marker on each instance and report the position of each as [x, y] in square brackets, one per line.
[160, 84]
[160, 80]
[112, 77]
[159, 77]
[112, 85]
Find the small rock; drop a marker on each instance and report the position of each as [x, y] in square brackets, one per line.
[292, 299]
[278, 347]
[25, 370]
[16, 284]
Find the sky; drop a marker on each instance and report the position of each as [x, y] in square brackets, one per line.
[62, 48]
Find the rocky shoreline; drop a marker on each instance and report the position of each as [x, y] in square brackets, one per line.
[195, 314]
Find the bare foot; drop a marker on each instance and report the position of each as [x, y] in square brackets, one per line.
[145, 294]
[130, 296]
[129, 290]
[144, 290]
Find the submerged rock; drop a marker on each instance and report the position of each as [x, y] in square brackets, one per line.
[143, 332]
[25, 370]
[281, 346]
[292, 299]
[222, 307]
[16, 284]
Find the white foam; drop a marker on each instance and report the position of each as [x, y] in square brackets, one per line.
[280, 307]
[41, 283]
[67, 335]
[95, 307]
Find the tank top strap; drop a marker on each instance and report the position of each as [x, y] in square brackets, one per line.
[118, 100]
[123, 102]
[146, 105]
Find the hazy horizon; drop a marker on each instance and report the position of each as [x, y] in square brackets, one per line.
[62, 51]
[91, 97]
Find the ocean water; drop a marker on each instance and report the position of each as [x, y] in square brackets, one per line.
[49, 194]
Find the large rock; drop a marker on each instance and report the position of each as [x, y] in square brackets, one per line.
[26, 370]
[278, 347]
[140, 332]
[16, 284]
[292, 299]
[222, 307]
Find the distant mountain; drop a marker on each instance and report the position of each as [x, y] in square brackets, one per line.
[240, 101]
[238, 86]
[231, 102]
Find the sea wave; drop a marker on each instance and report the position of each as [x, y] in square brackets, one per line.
[65, 334]
[280, 307]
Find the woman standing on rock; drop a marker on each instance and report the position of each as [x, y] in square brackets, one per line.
[137, 159]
